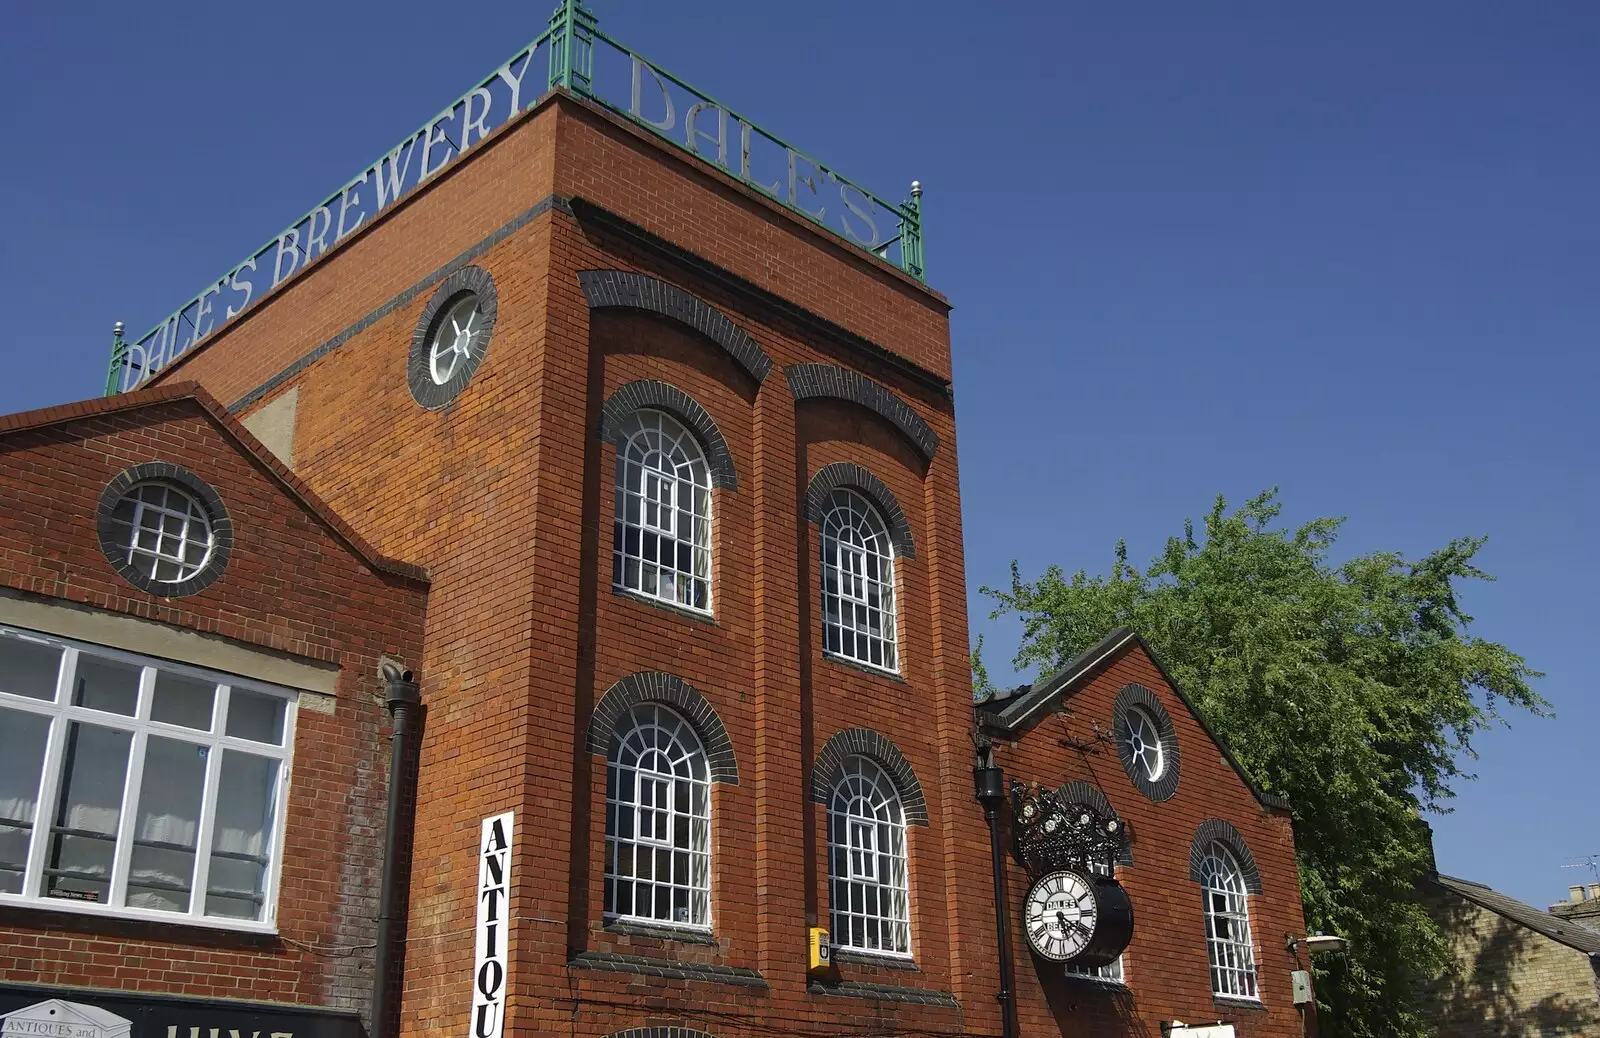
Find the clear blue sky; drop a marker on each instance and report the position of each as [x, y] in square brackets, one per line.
[1348, 251]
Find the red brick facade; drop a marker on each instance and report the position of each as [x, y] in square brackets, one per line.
[1166, 967]
[298, 584]
[504, 496]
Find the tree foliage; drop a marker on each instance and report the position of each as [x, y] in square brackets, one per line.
[1352, 689]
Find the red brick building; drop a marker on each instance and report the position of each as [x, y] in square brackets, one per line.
[671, 466]
[156, 733]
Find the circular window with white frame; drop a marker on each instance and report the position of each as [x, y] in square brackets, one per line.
[452, 337]
[164, 529]
[1147, 743]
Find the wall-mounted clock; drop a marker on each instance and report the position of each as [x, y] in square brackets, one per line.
[1072, 917]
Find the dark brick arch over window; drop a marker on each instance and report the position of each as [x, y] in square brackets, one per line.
[669, 398]
[848, 474]
[654, 686]
[1083, 793]
[468, 280]
[1166, 786]
[827, 380]
[624, 289]
[660, 1032]
[114, 546]
[865, 742]
[1214, 830]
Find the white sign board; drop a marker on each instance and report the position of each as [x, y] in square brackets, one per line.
[1180, 1030]
[57, 1019]
[489, 974]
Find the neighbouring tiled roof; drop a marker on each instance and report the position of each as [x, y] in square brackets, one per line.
[1563, 931]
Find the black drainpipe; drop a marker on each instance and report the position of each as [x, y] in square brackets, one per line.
[403, 697]
[990, 783]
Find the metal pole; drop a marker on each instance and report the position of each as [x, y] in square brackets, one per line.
[572, 46]
[119, 356]
[989, 781]
[911, 228]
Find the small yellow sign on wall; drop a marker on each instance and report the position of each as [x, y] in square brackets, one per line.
[821, 957]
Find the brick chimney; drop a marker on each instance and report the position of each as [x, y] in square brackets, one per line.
[1582, 905]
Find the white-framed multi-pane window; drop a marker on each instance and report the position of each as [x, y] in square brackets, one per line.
[1227, 912]
[658, 822]
[165, 531]
[858, 607]
[870, 888]
[1113, 972]
[139, 788]
[661, 544]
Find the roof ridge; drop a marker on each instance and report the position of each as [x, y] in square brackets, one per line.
[1569, 932]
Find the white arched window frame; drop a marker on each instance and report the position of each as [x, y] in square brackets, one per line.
[658, 822]
[870, 888]
[1227, 912]
[858, 599]
[661, 546]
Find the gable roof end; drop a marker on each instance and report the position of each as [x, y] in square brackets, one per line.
[1013, 715]
[232, 430]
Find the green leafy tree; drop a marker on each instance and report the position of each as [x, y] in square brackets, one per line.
[1354, 690]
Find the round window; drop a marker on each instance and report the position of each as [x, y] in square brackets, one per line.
[451, 337]
[1143, 743]
[164, 529]
[454, 339]
[165, 533]
[1147, 742]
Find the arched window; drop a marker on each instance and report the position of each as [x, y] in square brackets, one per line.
[1227, 911]
[858, 618]
[658, 821]
[867, 851]
[662, 542]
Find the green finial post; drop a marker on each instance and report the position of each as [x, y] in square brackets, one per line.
[572, 46]
[911, 233]
[119, 357]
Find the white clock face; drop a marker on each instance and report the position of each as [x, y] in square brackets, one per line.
[1060, 915]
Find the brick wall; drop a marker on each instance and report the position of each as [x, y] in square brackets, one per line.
[291, 586]
[505, 495]
[1505, 980]
[1167, 970]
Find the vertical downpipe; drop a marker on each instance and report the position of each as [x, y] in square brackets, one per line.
[990, 785]
[403, 698]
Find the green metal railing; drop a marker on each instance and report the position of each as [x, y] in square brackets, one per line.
[583, 61]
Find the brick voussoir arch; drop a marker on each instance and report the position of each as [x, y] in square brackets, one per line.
[848, 474]
[654, 686]
[1076, 792]
[113, 539]
[1164, 787]
[624, 289]
[864, 742]
[807, 381]
[1214, 830]
[660, 1032]
[662, 396]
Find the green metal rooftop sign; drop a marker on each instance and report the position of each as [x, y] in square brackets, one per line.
[575, 55]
